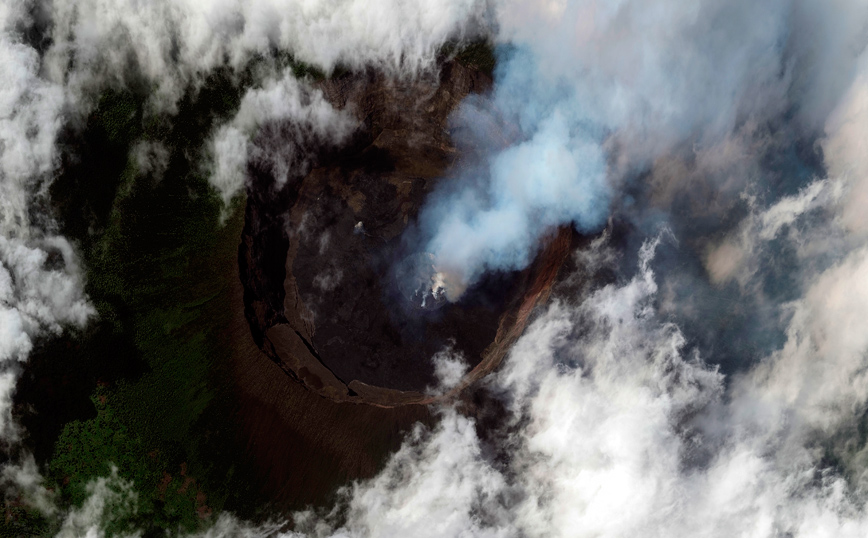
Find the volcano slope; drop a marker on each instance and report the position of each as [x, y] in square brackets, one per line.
[317, 255]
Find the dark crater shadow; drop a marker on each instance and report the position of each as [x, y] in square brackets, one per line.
[368, 330]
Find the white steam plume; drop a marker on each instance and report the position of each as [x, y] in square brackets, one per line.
[595, 92]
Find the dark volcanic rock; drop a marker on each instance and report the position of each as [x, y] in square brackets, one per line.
[318, 255]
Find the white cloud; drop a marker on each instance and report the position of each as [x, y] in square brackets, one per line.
[110, 498]
[25, 480]
[621, 431]
[174, 42]
[304, 119]
[34, 300]
[821, 371]
[845, 150]
[437, 484]
[450, 366]
[736, 256]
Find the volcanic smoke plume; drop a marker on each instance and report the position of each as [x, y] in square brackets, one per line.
[702, 366]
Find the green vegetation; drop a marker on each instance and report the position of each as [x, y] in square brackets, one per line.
[154, 427]
[20, 520]
[160, 267]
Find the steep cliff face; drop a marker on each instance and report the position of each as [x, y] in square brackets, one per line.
[318, 255]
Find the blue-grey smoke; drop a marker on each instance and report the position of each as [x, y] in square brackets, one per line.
[555, 173]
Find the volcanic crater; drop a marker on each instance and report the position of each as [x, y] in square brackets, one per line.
[318, 254]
